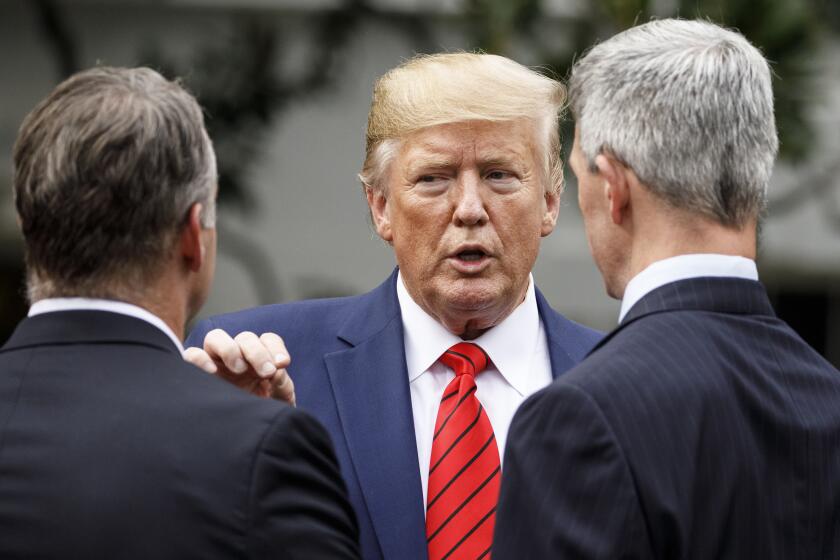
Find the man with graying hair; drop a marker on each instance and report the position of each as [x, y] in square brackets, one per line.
[418, 379]
[111, 445]
[702, 426]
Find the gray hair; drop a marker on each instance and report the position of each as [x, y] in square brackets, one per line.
[688, 106]
[106, 169]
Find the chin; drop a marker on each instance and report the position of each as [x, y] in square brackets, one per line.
[474, 294]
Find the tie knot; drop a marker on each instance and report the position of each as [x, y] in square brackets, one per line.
[465, 358]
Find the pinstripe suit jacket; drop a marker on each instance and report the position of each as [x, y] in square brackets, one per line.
[701, 427]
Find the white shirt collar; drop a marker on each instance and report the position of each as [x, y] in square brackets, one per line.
[683, 267]
[516, 336]
[50, 305]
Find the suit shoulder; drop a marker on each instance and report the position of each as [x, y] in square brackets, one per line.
[655, 363]
[288, 424]
[312, 309]
[298, 319]
[201, 393]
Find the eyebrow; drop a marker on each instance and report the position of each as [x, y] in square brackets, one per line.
[428, 157]
[431, 161]
[497, 159]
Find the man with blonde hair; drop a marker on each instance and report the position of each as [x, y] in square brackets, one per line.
[702, 426]
[418, 379]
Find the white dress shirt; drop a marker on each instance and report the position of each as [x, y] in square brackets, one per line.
[50, 305]
[683, 267]
[520, 367]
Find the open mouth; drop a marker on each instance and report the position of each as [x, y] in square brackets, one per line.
[472, 255]
[471, 259]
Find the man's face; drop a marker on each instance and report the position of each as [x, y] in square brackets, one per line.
[594, 206]
[465, 207]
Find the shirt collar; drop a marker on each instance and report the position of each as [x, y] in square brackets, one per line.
[510, 344]
[51, 305]
[683, 267]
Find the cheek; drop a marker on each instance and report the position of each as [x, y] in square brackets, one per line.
[418, 230]
[416, 227]
[521, 235]
[583, 198]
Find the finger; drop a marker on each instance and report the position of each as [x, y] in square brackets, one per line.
[264, 389]
[284, 387]
[255, 353]
[224, 350]
[275, 345]
[200, 358]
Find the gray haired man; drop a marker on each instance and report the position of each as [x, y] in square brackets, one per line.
[702, 426]
[111, 446]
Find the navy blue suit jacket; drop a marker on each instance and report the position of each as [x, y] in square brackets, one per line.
[702, 427]
[111, 446]
[348, 365]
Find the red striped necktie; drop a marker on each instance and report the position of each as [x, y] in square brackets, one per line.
[465, 471]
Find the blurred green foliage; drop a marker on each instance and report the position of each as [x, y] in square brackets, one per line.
[787, 31]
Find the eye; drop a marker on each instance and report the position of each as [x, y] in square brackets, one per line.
[499, 175]
[431, 182]
[503, 179]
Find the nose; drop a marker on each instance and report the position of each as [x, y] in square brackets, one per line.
[469, 202]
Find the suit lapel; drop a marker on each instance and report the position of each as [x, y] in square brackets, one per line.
[370, 384]
[566, 347]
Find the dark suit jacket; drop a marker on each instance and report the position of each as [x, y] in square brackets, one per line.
[348, 365]
[111, 446]
[702, 427]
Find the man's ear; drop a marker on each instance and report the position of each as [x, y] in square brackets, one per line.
[616, 186]
[191, 242]
[378, 204]
[552, 209]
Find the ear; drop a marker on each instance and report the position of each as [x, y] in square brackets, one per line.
[616, 186]
[191, 242]
[550, 213]
[378, 204]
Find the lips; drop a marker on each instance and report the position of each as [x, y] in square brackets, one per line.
[473, 255]
[470, 259]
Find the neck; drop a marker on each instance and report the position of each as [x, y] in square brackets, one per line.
[469, 323]
[471, 327]
[167, 310]
[691, 236]
[166, 297]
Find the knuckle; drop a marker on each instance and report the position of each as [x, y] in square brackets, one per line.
[245, 336]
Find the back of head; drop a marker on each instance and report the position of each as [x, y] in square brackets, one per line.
[431, 90]
[688, 106]
[106, 169]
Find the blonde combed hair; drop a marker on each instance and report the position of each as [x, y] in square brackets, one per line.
[431, 90]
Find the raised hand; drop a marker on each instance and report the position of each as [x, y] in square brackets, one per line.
[254, 363]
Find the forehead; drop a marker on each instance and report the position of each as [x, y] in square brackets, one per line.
[484, 140]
